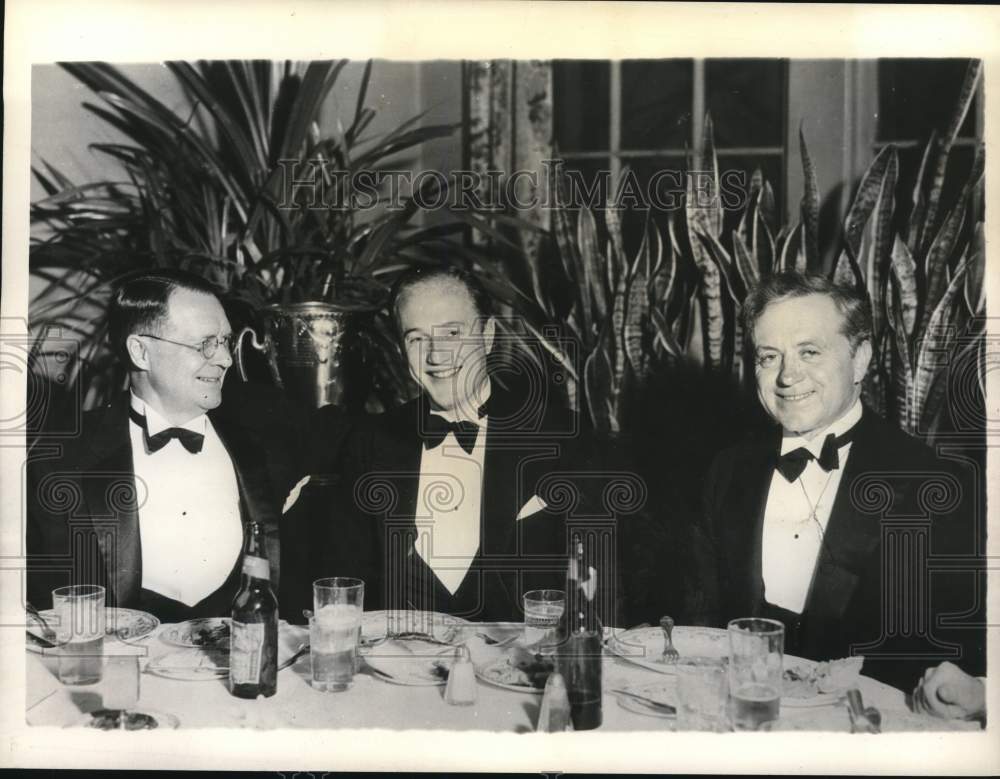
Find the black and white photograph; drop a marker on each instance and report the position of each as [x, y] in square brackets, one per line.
[359, 397]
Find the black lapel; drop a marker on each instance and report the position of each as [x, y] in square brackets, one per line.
[850, 536]
[107, 481]
[743, 534]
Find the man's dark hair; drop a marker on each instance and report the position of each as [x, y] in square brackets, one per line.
[854, 305]
[139, 303]
[419, 275]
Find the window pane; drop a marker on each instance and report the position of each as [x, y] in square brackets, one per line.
[918, 95]
[746, 99]
[656, 103]
[581, 104]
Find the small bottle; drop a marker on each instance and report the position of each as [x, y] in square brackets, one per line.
[253, 645]
[553, 717]
[579, 659]
[461, 689]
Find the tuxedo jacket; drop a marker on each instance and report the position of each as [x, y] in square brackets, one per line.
[83, 520]
[899, 575]
[360, 512]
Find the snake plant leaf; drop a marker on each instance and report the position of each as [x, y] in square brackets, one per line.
[617, 333]
[665, 273]
[734, 282]
[746, 267]
[915, 224]
[975, 281]
[936, 346]
[867, 198]
[637, 310]
[764, 253]
[701, 219]
[618, 267]
[936, 263]
[970, 82]
[597, 380]
[791, 257]
[904, 275]
[708, 163]
[767, 207]
[809, 206]
[664, 335]
[902, 365]
[593, 292]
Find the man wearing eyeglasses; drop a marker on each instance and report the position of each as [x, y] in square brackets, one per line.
[159, 485]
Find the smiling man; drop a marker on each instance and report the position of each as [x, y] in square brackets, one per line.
[151, 499]
[435, 503]
[795, 526]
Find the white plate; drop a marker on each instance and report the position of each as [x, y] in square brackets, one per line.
[663, 691]
[193, 633]
[120, 624]
[644, 646]
[410, 662]
[195, 664]
[376, 625]
[494, 665]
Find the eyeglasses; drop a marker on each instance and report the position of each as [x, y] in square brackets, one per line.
[208, 347]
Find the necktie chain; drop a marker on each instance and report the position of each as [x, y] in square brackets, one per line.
[814, 507]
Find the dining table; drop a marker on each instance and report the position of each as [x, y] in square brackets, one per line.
[373, 701]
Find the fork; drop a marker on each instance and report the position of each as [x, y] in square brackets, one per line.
[670, 655]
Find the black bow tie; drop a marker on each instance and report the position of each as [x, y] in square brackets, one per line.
[436, 429]
[793, 463]
[189, 439]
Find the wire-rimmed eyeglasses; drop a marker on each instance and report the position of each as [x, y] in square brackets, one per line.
[208, 347]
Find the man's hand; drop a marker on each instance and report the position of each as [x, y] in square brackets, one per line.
[947, 691]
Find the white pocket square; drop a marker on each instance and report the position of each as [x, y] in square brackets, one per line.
[294, 494]
[532, 506]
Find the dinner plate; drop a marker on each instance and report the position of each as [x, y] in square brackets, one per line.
[410, 662]
[662, 691]
[380, 625]
[199, 664]
[508, 667]
[202, 633]
[644, 646]
[120, 624]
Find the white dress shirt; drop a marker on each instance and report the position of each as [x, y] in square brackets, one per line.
[796, 517]
[190, 530]
[449, 498]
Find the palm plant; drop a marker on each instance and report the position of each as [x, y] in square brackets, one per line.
[212, 190]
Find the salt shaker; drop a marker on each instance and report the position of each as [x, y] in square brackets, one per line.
[554, 716]
[461, 689]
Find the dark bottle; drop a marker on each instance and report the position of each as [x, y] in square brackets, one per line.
[253, 645]
[579, 655]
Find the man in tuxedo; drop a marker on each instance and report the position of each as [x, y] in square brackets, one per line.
[827, 524]
[151, 498]
[447, 503]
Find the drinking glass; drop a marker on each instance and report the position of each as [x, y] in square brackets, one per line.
[542, 611]
[702, 695]
[335, 631]
[79, 612]
[756, 649]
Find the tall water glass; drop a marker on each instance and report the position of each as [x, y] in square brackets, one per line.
[79, 616]
[335, 631]
[756, 652]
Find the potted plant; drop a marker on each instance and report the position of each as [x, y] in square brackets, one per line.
[212, 188]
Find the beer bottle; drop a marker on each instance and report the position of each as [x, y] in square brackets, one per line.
[579, 655]
[253, 647]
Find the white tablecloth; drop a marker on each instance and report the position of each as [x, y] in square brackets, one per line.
[371, 702]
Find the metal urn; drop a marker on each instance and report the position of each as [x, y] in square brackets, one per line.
[304, 347]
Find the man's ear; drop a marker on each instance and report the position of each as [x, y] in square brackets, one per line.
[138, 352]
[489, 332]
[862, 357]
